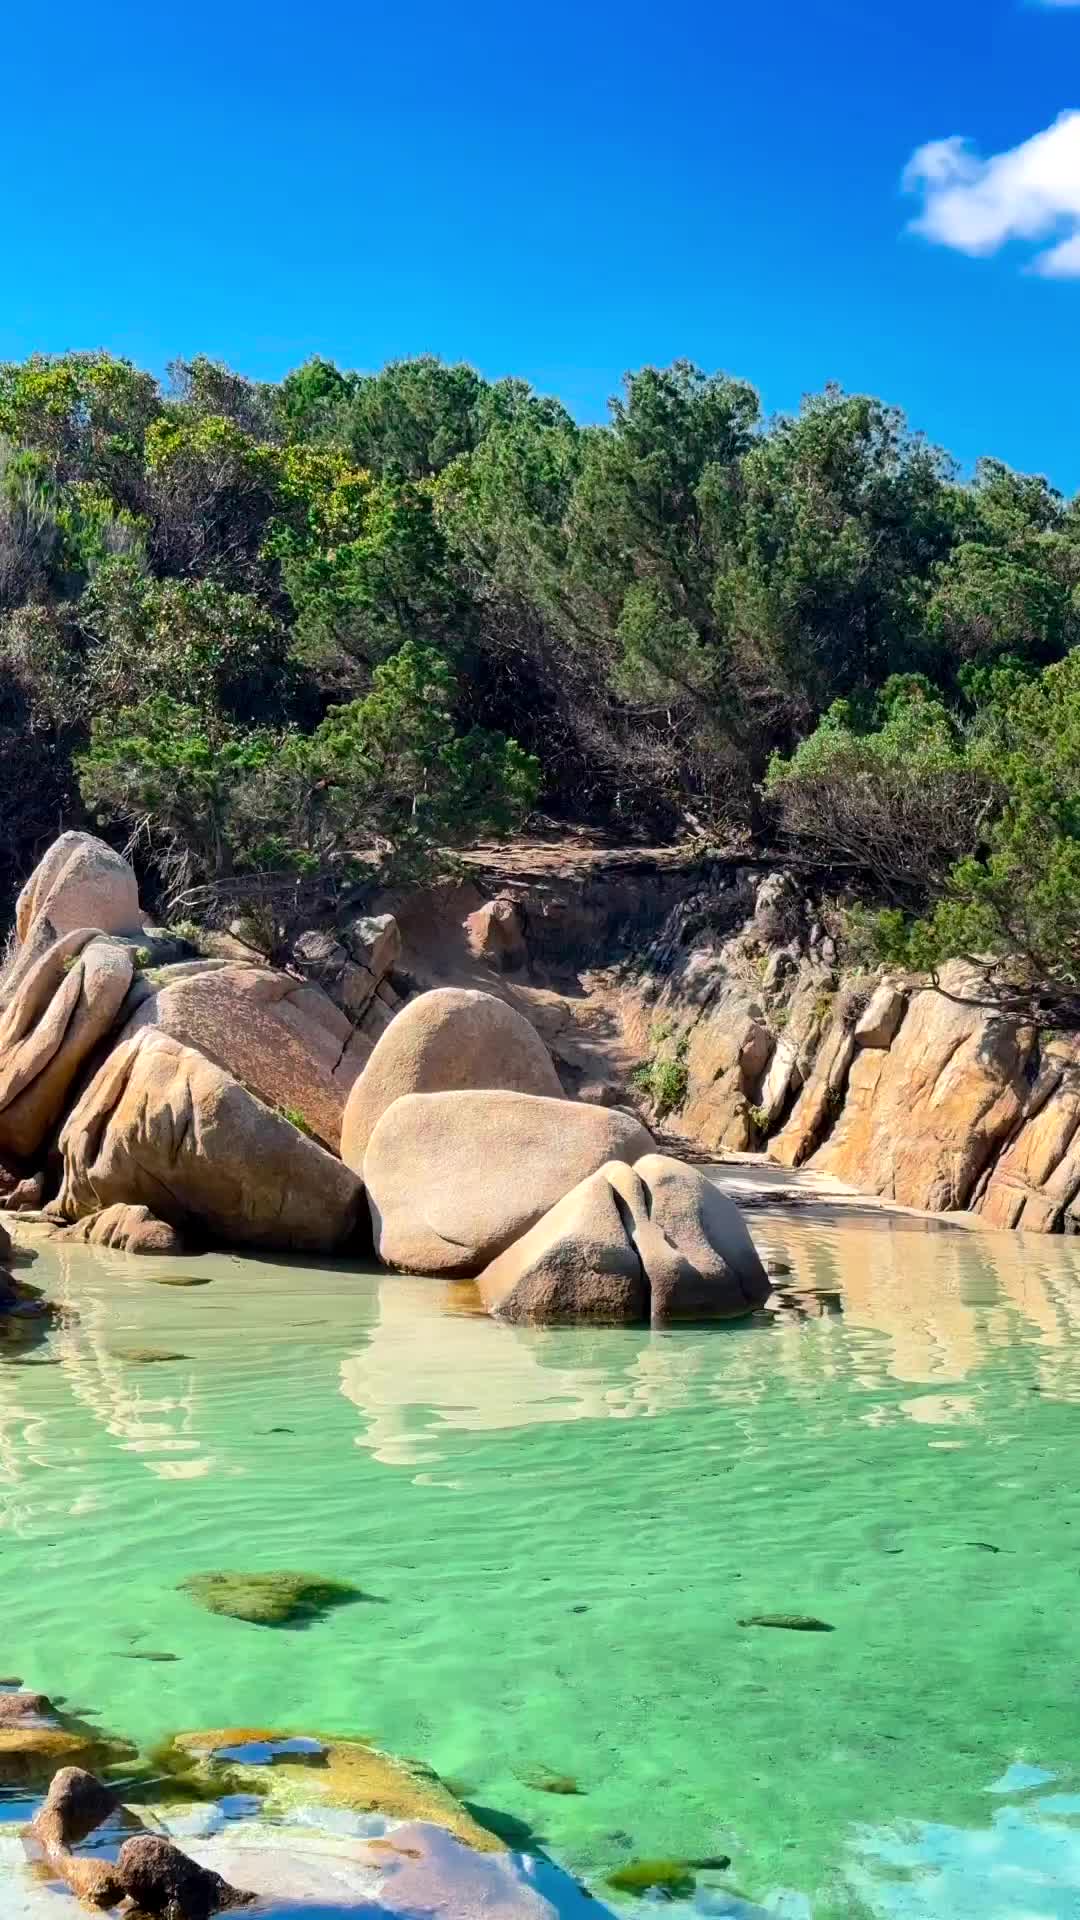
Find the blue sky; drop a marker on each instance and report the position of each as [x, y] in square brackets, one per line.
[564, 192]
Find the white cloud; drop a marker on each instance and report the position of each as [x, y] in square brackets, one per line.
[1029, 192]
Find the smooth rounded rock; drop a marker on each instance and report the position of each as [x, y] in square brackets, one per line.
[80, 882]
[452, 1039]
[455, 1178]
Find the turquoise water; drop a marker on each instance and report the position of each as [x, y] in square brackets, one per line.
[562, 1531]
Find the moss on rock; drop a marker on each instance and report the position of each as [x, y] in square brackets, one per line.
[269, 1599]
[671, 1877]
[342, 1773]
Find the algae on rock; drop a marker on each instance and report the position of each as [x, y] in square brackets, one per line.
[269, 1599]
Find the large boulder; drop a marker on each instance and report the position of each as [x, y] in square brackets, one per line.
[279, 1038]
[655, 1242]
[63, 1006]
[448, 1040]
[80, 882]
[577, 1263]
[163, 1127]
[695, 1246]
[454, 1178]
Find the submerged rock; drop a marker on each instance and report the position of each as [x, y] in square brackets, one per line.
[269, 1599]
[451, 1039]
[671, 1877]
[795, 1622]
[344, 1773]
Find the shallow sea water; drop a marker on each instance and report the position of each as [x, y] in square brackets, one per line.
[562, 1530]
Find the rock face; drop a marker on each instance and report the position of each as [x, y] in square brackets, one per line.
[654, 1242]
[454, 1178]
[820, 1099]
[280, 1039]
[59, 1012]
[80, 882]
[160, 1126]
[1036, 1182]
[447, 1040]
[924, 1119]
[495, 932]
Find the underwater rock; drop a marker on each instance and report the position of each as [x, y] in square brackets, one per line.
[161, 1880]
[346, 1773]
[795, 1622]
[145, 1356]
[269, 1599]
[671, 1877]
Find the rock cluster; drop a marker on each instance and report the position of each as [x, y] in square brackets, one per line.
[224, 1098]
[150, 1873]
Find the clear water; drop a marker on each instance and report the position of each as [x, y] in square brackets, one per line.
[564, 1529]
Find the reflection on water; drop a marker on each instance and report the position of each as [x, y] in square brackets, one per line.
[568, 1525]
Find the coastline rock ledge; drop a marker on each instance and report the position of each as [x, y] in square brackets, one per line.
[180, 1095]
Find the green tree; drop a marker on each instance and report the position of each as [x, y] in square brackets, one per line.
[383, 786]
[1011, 905]
[413, 418]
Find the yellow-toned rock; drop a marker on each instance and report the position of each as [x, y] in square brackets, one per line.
[1037, 1179]
[345, 1773]
[929, 1115]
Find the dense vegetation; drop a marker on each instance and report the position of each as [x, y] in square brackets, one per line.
[269, 632]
